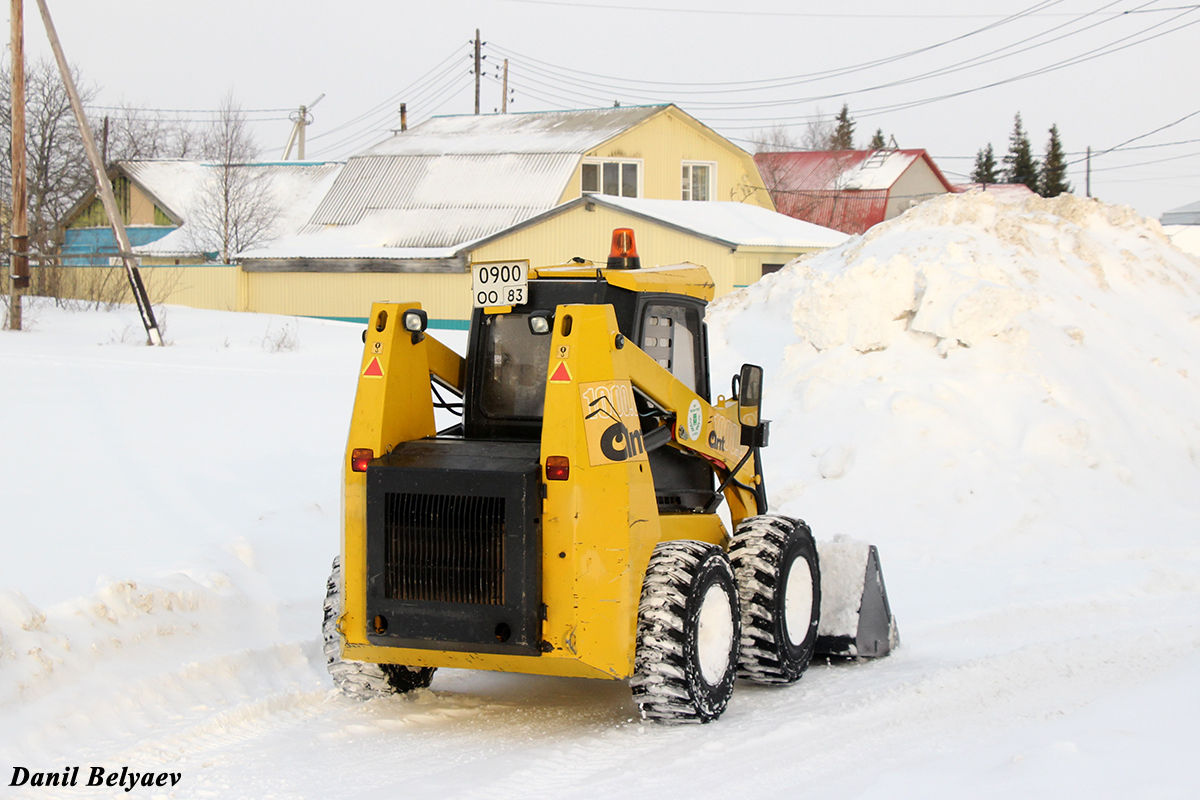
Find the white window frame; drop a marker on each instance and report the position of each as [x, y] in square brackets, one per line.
[638, 162]
[712, 179]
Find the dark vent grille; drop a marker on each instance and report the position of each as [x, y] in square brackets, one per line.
[444, 548]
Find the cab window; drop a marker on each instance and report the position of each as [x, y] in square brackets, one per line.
[514, 371]
[670, 335]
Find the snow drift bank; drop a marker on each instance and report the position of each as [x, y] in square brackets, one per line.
[985, 377]
[1003, 397]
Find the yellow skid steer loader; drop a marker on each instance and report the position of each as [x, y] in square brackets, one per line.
[567, 525]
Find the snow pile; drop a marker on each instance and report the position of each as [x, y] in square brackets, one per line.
[1001, 396]
[979, 348]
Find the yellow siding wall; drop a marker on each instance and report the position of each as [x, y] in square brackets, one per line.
[664, 142]
[199, 286]
[345, 294]
[587, 234]
[445, 296]
[141, 207]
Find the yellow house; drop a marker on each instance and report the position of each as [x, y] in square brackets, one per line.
[404, 219]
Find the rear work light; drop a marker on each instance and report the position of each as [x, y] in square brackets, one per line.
[360, 457]
[558, 468]
[623, 254]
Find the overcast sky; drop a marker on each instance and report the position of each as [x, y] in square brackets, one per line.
[931, 73]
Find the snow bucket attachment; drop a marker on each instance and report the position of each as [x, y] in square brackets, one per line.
[856, 621]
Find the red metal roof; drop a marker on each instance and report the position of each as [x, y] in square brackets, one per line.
[846, 190]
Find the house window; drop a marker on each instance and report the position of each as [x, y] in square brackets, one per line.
[618, 178]
[698, 180]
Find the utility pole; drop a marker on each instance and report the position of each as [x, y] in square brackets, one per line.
[477, 60]
[1089, 171]
[103, 186]
[403, 117]
[301, 120]
[19, 260]
[504, 102]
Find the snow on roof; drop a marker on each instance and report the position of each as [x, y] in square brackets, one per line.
[1184, 215]
[456, 185]
[173, 182]
[840, 170]
[393, 233]
[295, 188]
[733, 223]
[529, 132]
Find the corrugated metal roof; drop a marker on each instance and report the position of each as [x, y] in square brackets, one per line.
[530, 132]
[456, 184]
[835, 170]
[842, 189]
[1184, 215]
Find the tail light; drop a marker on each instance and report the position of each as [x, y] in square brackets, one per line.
[360, 457]
[558, 468]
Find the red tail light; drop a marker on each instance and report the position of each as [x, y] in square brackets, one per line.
[360, 457]
[558, 468]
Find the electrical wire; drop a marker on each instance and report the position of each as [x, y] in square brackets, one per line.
[781, 82]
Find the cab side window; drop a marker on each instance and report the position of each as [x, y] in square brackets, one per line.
[670, 335]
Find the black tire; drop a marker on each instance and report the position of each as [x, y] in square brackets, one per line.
[687, 634]
[360, 679]
[773, 557]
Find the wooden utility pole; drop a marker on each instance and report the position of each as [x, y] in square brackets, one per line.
[1089, 171]
[103, 186]
[504, 102]
[477, 60]
[19, 260]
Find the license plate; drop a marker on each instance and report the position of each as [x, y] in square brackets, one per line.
[499, 283]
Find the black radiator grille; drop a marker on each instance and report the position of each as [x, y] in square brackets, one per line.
[444, 548]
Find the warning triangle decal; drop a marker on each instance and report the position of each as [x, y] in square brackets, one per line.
[561, 374]
[374, 369]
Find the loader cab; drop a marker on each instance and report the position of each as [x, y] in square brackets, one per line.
[508, 361]
[508, 366]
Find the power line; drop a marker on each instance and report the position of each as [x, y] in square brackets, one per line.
[800, 14]
[780, 82]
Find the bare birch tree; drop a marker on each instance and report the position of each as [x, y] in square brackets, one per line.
[235, 209]
[135, 133]
[57, 170]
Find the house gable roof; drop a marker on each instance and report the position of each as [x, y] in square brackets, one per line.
[1184, 215]
[726, 222]
[455, 178]
[177, 186]
[843, 170]
[529, 132]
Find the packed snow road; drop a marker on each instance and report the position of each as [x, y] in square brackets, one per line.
[1002, 397]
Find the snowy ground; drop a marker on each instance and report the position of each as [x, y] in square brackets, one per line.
[1003, 398]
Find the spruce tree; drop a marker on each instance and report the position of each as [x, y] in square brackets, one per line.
[843, 135]
[985, 167]
[877, 141]
[1053, 179]
[1019, 164]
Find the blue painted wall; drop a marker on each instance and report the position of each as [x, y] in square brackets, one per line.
[80, 244]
